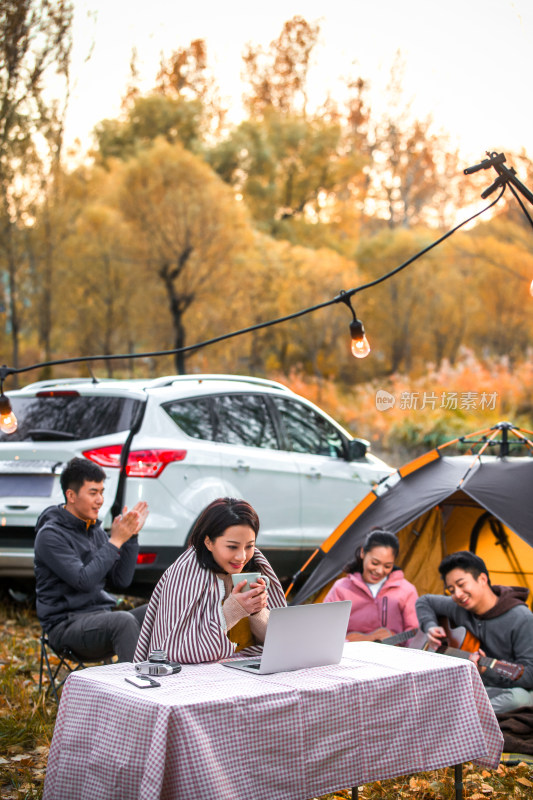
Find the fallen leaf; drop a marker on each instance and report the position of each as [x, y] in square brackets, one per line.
[524, 782]
[23, 758]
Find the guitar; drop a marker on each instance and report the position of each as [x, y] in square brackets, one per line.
[461, 643]
[377, 636]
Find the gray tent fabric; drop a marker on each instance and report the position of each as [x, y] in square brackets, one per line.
[504, 486]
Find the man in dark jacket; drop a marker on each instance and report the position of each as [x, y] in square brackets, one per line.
[74, 557]
[497, 616]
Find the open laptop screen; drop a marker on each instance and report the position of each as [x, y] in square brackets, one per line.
[299, 637]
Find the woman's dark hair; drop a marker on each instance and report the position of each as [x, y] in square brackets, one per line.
[376, 538]
[213, 521]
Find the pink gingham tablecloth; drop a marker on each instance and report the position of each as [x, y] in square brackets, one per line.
[211, 731]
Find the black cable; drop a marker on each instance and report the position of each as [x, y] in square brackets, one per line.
[425, 250]
[340, 298]
[522, 206]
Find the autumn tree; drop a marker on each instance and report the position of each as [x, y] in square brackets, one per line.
[184, 106]
[54, 211]
[357, 126]
[186, 75]
[150, 116]
[285, 167]
[189, 226]
[448, 312]
[108, 294]
[501, 256]
[412, 174]
[35, 39]
[277, 76]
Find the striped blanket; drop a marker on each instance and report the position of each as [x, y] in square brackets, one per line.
[185, 618]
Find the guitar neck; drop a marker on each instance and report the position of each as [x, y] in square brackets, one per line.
[512, 671]
[400, 637]
[484, 661]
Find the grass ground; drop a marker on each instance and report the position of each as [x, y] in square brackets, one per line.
[27, 725]
[26, 718]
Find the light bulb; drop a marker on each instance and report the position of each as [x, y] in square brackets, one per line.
[8, 421]
[360, 346]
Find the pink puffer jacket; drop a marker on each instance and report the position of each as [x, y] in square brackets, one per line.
[393, 608]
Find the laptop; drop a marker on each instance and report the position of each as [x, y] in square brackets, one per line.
[299, 637]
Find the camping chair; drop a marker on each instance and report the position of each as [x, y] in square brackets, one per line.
[66, 660]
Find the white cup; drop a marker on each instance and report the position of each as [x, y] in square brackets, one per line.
[249, 577]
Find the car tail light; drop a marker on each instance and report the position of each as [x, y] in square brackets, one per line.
[105, 456]
[146, 558]
[151, 463]
[141, 463]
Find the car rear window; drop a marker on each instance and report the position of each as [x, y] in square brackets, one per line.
[70, 418]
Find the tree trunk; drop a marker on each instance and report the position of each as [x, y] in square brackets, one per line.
[179, 342]
[177, 306]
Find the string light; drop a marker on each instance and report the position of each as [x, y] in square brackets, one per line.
[360, 346]
[8, 420]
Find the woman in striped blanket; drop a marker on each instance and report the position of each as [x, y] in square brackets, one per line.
[195, 613]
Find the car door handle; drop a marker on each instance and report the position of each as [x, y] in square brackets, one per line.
[240, 466]
[313, 473]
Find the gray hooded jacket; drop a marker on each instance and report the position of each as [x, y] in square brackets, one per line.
[73, 562]
[505, 632]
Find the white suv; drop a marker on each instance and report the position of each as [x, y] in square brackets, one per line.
[178, 443]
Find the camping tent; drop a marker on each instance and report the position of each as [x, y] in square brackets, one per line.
[439, 504]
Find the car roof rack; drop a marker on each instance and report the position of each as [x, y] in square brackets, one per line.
[157, 383]
[169, 380]
[48, 384]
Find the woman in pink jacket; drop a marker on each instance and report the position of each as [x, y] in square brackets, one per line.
[383, 601]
